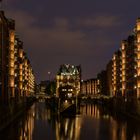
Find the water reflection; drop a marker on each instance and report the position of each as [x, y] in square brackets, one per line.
[27, 125]
[94, 122]
[68, 128]
[107, 127]
[22, 128]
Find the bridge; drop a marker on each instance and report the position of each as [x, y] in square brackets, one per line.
[59, 105]
[94, 96]
[42, 96]
[69, 106]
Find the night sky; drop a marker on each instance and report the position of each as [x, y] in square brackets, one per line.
[85, 32]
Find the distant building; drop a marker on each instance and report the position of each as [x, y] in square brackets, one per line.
[43, 86]
[84, 87]
[90, 87]
[68, 80]
[102, 83]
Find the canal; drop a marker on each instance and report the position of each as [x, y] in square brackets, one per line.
[93, 123]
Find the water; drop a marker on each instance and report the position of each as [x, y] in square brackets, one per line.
[94, 123]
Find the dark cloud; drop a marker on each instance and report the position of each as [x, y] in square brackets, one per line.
[75, 31]
[101, 21]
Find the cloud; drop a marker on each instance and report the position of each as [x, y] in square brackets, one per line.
[59, 35]
[102, 21]
[58, 43]
[78, 32]
[61, 23]
[64, 41]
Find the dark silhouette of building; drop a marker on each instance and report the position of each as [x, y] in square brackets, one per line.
[109, 78]
[102, 77]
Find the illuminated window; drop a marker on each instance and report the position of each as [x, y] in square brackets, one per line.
[21, 54]
[138, 26]
[115, 73]
[138, 64]
[11, 82]
[123, 54]
[20, 66]
[70, 89]
[123, 72]
[11, 71]
[123, 78]
[20, 78]
[139, 84]
[138, 38]
[12, 36]
[138, 55]
[123, 86]
[114, 64]
[123, 47]
[12, 47]
[138, 72]
[20, 86]
[11, 64]
[12, 55]
[123, 61]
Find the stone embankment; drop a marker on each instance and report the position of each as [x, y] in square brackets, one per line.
[12, 111]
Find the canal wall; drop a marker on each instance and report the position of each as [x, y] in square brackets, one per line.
[9, 113]
[118, 105]
[129, 108]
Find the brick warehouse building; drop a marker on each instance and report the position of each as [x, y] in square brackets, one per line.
[16, 74]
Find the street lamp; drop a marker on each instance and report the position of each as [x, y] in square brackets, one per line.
[49, 74]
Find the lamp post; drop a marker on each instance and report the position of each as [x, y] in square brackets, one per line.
[49, 75]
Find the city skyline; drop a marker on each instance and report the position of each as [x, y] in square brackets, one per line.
[86, 33]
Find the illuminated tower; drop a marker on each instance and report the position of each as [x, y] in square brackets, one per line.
[68, 80]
